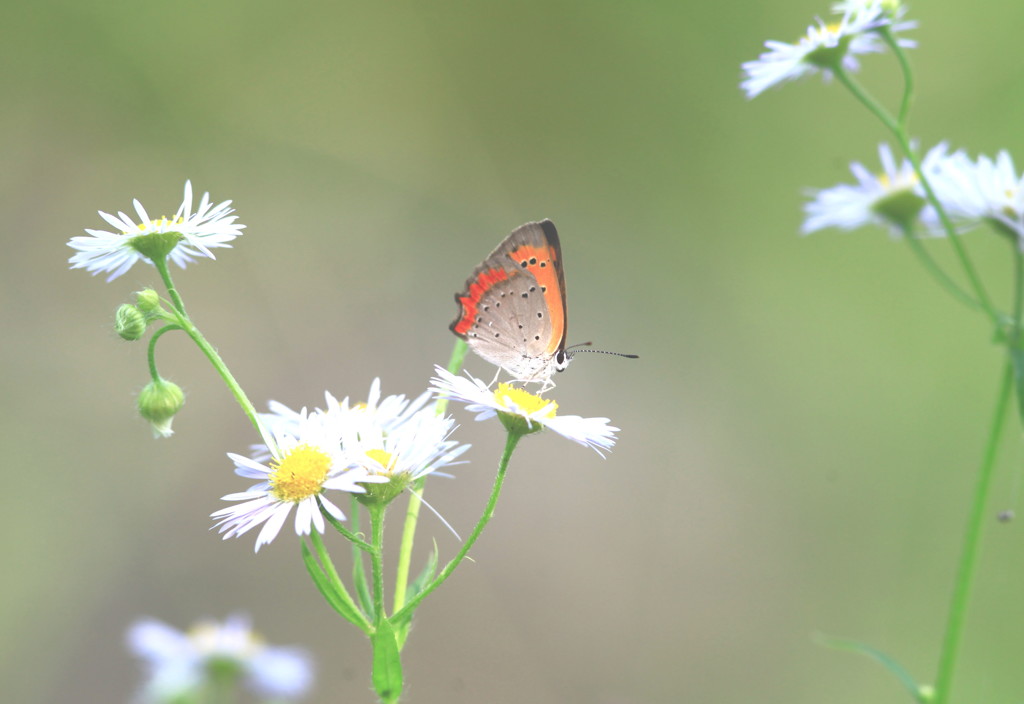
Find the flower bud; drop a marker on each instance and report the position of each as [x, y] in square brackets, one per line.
[147, 300]
[130, 322]
[158, 402]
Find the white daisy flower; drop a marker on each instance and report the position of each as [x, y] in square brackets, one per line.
[893, 198]
[387, 412]
[823, 47]
[181, 664]
[893, 10]
[186, 236]
[985, 190]
[307, 463]
[511, 403]
[399, 453]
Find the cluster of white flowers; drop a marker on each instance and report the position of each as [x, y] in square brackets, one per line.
[343, 447]
[971, 192]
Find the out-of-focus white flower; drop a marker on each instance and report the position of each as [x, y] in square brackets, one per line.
[185, 663]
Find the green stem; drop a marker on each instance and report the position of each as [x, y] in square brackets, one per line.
[165, 274]
[349, 535]
[358, 569]
[938, 274]
[154, 375]
[1018, 301]
[510, 446]
[412, 511]
[221, 686]
[377, 560]
[903, 140]
[908, 76]
[192, 331]
[969, 555]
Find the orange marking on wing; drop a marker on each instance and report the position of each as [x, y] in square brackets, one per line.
[543, 263]
[470, 301]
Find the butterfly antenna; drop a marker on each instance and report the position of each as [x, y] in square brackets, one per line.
[573, 349]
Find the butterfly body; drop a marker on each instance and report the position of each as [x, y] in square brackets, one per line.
[512, 311]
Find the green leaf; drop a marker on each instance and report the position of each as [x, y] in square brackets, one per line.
[417, 585]
[917, 691]
[387, 663]
[332, 590]
[429, 570]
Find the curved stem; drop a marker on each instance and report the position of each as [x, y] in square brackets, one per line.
[908, 76]
[412, 511]
[186, 324]
[153, 374]
[510, 446]
[969, 554]
[901, 137]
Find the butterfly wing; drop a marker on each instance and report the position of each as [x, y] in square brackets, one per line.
[512, 311]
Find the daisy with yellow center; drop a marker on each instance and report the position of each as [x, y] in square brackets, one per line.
[825, 47]
[387, 412]
[399, 453]
[183, 238]
[893, 198]
[308, 463]
[521, 411]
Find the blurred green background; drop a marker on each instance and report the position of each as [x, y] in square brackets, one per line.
[798, 440]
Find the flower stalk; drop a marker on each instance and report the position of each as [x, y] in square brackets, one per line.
[412, 511]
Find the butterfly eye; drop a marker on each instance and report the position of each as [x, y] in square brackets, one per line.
[562, 359]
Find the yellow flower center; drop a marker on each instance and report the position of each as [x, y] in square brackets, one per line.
[299, 474]
[208, 639]
[889, 185]
[160, 223]
[525, 401]
[384, 458]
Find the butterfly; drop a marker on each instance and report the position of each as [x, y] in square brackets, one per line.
[512, 310]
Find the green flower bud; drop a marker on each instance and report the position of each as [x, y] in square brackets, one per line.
[130, 322]
[148, 300]
[158, 402]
